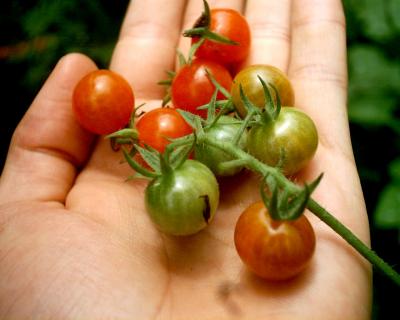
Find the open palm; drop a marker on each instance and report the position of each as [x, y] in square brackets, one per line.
[75, 240]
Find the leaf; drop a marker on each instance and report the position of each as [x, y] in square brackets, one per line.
[387, 212]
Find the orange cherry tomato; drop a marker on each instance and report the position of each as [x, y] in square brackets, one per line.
[274, 250]
[192, 87]
[156, 126]
[232, 25]
[103, 102]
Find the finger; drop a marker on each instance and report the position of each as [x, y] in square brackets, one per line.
[318, 72]
[48, 145]
[147, 43]
[318, 68]
[269, 22]
[193, 11]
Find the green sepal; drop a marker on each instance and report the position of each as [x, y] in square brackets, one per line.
[273, 204]
[166, 98]
[278, 105]
[165, 166]
[244, 124]
[181, 141]
[193, 49]
[127, 133]
[181, 58]
[188, 117]
[151, 157]
[167, 83]
[226, 108]
[294, 208]
[269, 102]
[181, 154]
[137, 113]
[217, 85]
[137, 175]
[137, 167]
[250, 107]
[205, 33]
[122, 137]
[201, 28]
[198, 127]
[211, 106]
[285, 205]
[291, 210]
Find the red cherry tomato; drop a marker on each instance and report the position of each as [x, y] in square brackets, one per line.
[103, 102]
[155, 126]
[192, 87]
[232, 25]
[274, 250]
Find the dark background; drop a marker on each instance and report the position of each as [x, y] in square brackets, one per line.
[35, 34]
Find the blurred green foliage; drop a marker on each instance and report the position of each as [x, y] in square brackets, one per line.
[35, 34]
[374, 90]
[373, 34]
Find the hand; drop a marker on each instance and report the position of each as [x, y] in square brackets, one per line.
[75, 240]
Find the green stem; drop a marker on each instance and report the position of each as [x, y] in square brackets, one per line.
[256, 165]
[356, 243]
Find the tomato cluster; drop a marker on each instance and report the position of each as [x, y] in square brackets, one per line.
[252, 112]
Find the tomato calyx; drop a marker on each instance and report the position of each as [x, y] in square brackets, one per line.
[192, 85]
[172, 158]
[284, 204]
[128, 135]
[271, 109]
[167, 84]
[201, 29]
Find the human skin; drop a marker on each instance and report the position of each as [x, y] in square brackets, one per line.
[75, 240]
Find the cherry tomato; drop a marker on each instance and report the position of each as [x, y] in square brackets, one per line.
[253, 89]
[183, 201]
[225, 131]
[156, 126]
[232, 25]
[274, 250]
[103, 102]
[192, 87]
[292, 135]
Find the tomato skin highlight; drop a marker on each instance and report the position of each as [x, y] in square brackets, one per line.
[293, 133]
[273, 250]
[224, 131]
[252, 87]
[232, 25]
[192, 88]
[156, 126]
[103, 102]
[184, 201]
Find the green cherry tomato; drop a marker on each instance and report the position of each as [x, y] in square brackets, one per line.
[224, 131]
[253, 89]
[183, 201]
[274, 250]
[291, 138]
